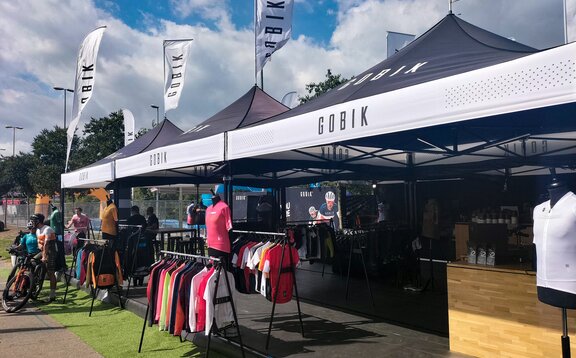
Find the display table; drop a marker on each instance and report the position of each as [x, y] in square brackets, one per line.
[494, 312]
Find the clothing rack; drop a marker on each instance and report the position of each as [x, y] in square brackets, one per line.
[260, 233]
[356, 248]
[94, 291]
[299, 222]
[280, 272]
[139, 233]
[70, 273]
[320, 221]
[215, 300]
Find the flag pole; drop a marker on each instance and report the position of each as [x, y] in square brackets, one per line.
[164, 77]
[255, 49]
[565, 22]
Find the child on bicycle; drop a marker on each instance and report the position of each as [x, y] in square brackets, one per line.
[47, 245]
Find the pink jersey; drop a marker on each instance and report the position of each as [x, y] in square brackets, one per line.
[218, 223]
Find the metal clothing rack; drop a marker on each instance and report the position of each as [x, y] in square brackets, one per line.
[68, 275]
[139, 233]
[215, 300]
[94, 290]
[73, 267]
[281, 271]
[320, 221]
[356, 248]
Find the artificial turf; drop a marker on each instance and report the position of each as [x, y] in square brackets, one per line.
[114, 332]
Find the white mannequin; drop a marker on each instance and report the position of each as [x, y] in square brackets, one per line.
[566, 215]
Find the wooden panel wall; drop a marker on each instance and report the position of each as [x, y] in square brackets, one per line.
[497, 314]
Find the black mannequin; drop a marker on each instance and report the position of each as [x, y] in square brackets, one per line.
[557, 189]
[215, 197]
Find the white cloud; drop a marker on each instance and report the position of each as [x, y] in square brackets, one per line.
[40, 42]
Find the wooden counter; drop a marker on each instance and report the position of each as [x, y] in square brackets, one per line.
[495, 312]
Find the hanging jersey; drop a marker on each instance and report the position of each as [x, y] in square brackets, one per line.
[192, 311]
[218, 223]
[554, 236]
[220, 311]
[105, 268]
[201, 302]
[281, 280]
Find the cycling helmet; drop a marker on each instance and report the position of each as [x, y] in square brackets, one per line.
[330, 196]
[311, 210]
[37, 218]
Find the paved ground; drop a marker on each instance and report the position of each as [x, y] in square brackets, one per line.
[33, 333]
[327, 332]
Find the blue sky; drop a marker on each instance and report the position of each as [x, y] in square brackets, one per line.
[315, 19]
[40, 41]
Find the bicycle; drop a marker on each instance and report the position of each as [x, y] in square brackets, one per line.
[26, 282]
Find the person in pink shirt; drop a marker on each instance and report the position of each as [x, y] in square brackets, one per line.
[218, 223]
[80, 222]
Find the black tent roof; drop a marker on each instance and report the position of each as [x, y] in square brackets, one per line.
[450, 47]
[254, 106]
[154, 138]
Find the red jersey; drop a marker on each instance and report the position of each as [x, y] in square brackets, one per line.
[201, 302]
[218, 223]
[285, 281]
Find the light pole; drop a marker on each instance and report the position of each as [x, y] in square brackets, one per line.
[66, 90]
[157, 113]
[13, 138]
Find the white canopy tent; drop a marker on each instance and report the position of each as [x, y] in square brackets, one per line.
[433, 123]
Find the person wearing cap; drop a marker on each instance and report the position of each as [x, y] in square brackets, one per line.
[314, 215]
[329, 209]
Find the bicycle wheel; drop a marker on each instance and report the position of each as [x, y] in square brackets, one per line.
[17, 292]
[39, 276]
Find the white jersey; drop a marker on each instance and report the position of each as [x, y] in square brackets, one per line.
[194, 297]
[555, 239]
[222, 312]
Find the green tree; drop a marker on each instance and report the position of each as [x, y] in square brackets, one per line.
[49, 152]
[316, 89]
[17, 172]
[102, 137]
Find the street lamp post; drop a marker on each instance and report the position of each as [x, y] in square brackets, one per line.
[157, 113]
[66, 90]
[13, 138]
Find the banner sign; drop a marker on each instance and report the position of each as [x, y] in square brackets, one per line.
[273, 28]
[176, 54]
[129, 134]
[312, 205]
[85, 74]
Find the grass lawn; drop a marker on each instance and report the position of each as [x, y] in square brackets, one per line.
[6, 239]
[114, 332]
[110, 331]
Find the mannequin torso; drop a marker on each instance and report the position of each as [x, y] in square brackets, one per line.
[554, 222]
